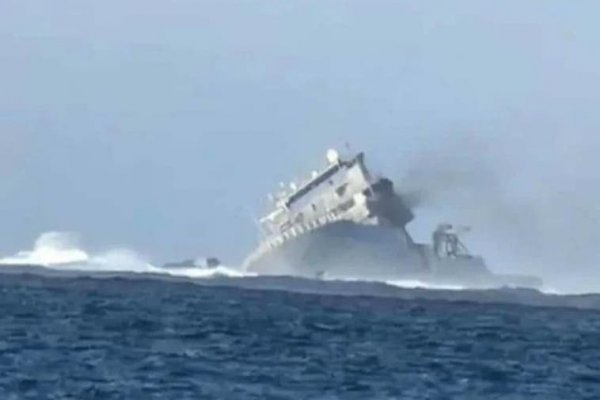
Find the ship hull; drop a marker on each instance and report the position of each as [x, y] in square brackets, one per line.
[346, 250]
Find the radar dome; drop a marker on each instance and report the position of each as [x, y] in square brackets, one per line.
[333, 156]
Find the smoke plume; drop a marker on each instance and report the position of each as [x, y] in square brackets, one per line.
[534, 204]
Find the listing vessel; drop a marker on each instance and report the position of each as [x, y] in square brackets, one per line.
[346, 223]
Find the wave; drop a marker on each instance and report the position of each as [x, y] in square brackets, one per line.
[63, 251]
[400, 283]
[51, 248]
[415, 284]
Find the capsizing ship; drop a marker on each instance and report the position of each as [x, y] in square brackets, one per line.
[346, 223]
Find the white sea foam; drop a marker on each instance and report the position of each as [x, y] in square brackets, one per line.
[414, 284]
[51, 248]
[205, 272]
[62, 250]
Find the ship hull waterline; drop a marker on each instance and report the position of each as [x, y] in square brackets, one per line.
[346, 250]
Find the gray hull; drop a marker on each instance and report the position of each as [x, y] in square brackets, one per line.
[346, 250]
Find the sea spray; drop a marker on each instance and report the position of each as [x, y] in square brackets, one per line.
[51, 248]
[63, 251]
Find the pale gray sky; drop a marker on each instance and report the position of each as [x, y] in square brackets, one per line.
[162, 125]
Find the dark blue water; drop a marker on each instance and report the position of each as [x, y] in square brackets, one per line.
[119, 339]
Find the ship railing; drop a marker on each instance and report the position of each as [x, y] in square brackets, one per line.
[300, 229]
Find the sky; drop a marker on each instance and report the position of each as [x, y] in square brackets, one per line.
[163, 125]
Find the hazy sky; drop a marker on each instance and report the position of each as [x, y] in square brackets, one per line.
[162, 125]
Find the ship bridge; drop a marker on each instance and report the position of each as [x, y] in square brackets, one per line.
[343, 191]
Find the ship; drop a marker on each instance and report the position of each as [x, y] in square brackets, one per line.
[344, 222]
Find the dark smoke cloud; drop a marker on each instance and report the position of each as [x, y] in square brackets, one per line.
[448, 170]
[535, 208]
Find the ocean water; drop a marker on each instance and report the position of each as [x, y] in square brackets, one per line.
[144, 339]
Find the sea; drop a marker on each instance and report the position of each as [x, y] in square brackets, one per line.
[136, 338]
[113, 326]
